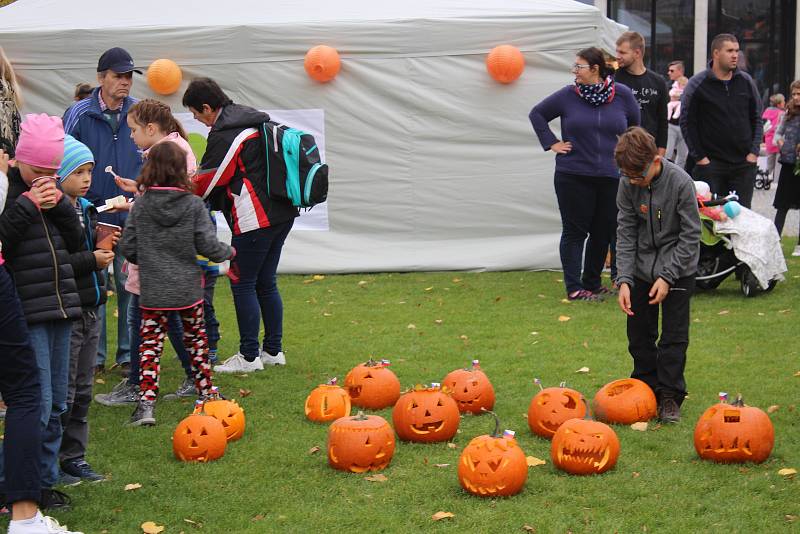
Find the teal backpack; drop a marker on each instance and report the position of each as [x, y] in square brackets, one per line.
[295, 172]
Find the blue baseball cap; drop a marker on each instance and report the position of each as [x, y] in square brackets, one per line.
[118, 60]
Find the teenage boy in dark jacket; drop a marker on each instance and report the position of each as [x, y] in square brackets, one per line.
[39, 229]
[75, 177]
[658, 245]
[721, 122]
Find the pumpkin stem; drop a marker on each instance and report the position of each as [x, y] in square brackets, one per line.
[496, 433]
[562, 384]
[739, 401]
[360, 416]
[538, 383]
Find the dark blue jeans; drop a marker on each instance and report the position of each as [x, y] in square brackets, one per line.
[174, 333]
[256, 295]
[20, 471]
[123, 352]
[588, 206]
[212, 324]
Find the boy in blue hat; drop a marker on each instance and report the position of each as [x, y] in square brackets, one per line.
[75, 178]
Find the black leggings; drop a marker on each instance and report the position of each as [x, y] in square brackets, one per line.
[780, 220]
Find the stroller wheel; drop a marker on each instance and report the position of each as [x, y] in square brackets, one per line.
[749, 283]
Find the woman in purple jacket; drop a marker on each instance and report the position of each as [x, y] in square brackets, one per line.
[593, 111]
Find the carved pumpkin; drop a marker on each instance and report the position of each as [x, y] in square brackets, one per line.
[230, 414]
[624, 401]
[426, 415]
[372, 385]
[551, 407]
[199, 438]
[584, 447]
[327, 402]
[493, 465]
[734, 433]
[470, 388]
[360, 443]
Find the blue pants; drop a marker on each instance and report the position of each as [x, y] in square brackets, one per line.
[174, 332]
[588, 207]
[123, 353]
[20, 471]
[256, 295]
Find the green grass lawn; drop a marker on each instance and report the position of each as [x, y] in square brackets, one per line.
[428, 324]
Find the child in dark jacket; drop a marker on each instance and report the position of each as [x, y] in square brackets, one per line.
[75, 177]
[166, 229]
[39, 229]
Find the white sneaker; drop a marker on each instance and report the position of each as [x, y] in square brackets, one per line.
[237, 364]
[269, 359]
[796, 251]
[38, 524]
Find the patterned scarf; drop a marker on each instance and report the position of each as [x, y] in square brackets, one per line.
[597, 93]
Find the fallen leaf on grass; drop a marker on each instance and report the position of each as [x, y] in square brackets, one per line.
[376, 478]
[99, 381]
[585, 344]
[533, 461]
[244, 392]
[438, 321]
[787, 472]
[362, 283]
[784, 311]
[441, 465]
[451, 445]
[566, 301]
[309, 281]
[318, 277]
[636, 474]
[464, 337]
[791, 518]
[412, 326]
[774, 408]
[724, 312]
[313, 450]
[456, 280]
[583, 370]
[258, 517]
[438, 516]
[564, 318]
[429, 288]
[326, 314]
[761, 314]
[797, 373]
[641, 426]
[148, 527]
[131, 487]
[195, 523]
[528, 528]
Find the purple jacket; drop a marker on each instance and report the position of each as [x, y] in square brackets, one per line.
[592, 130]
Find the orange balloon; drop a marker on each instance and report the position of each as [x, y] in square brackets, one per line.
[505, 63]
[164, 76]
[322, 63]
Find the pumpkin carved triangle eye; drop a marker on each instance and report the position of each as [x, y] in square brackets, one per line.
[439, 403]
[203, 432]
[414, 404]
[495, 465]
[368, 375]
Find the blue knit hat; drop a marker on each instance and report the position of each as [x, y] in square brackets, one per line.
[75, 155]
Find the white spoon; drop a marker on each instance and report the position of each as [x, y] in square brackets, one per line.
[110, 171]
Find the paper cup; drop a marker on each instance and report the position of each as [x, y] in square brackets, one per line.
[105, 235]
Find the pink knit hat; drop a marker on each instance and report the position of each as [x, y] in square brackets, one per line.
[41, 141]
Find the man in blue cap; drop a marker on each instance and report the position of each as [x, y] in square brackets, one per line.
[100, 122]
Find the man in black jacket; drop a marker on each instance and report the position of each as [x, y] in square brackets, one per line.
[721, 122]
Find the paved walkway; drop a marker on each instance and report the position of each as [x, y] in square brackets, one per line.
[762, 203]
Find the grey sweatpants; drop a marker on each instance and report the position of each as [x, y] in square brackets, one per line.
[82, 356]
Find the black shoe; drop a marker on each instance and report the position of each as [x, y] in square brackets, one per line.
[669, 411]
[81, 469]
[144, 414]
[53, 499]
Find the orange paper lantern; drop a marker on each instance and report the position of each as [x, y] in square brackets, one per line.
[505, 63]
[322, 63]
[164, 76]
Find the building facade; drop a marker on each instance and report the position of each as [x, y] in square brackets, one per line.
[683, 29]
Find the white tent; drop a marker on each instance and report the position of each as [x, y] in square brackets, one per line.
[433, 164]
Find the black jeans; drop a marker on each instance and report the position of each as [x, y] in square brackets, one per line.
[588, 207]
[725, 177]
[660, 365]
[19, 384]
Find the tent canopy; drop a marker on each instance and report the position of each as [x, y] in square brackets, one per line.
[433, 164]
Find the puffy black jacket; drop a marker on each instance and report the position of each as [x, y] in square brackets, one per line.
[89, 279]
[36, 247]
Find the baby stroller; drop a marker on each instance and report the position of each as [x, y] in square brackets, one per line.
[718, 252]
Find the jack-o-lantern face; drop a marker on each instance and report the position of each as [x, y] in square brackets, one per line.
[471, 389]
[625, 402]
[551, 407]
[584, 447]
[372, 385]
[426, 415]
[327, 403]
[732, 433]
[199, 438]
[230, 414]
[361, 443]
[492, 466]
